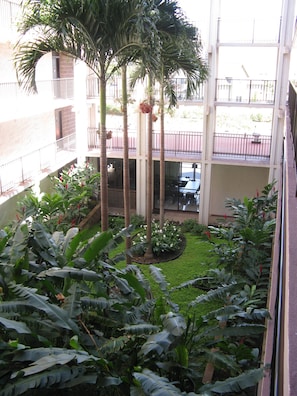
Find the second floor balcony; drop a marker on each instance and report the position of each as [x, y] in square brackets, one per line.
[227, 90]
[16, 102]
[15, 175]
[188, 145]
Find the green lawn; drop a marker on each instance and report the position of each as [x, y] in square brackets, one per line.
[194, 262]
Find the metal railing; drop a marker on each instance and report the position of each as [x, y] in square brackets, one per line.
[241, 146]
[245, 91]
[115, 143]
[8, 13]
[60, 88]
[227, 90]
[27, 168]
[184, 144]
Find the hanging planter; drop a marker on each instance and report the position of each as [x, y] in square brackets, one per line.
[145, 107]
[108, 134]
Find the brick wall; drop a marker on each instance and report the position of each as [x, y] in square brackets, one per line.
[66, 67]
[68, 121]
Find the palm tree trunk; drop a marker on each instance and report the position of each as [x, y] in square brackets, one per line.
[149, 184]
[162, 158]
[103, 157]
[126, 173]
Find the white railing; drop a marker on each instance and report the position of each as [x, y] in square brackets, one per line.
[24, 170]
[60, 88]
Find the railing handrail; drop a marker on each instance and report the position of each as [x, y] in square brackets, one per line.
[53, 86]
[25, 167]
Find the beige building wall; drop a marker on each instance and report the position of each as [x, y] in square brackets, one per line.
[229, 181]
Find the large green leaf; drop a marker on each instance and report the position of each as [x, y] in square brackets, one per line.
[238, 330]
[69, 272]
[98, 244]
[159, 278]
[174, 324]
[154, 385]
[214, 294]
[142, 328]
[72, 303]
[61, 377]
[41, 303]
[234, 385]
[158, 343]
[19, 327]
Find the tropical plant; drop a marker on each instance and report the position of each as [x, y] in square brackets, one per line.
[96, 32]
[76, 190]
[65, 313]
[70, 319]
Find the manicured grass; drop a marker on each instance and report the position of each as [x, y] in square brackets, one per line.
[193, 263]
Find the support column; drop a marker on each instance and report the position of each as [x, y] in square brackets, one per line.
[209, 121]
[281, 88]
[141, 166]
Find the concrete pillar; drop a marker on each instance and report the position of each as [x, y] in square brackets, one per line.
[281, 89]
[209, 121]
[141, 147]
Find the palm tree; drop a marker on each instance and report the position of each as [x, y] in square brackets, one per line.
[96, 32]
[179, 49]
[180, 52]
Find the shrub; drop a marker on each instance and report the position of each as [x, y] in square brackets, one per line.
[192, 226]
[165, 240]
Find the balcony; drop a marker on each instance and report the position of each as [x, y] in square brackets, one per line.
[60, 88]
[229, 90]
[181, 145]
[9, 11]
[23, 171]
[16, 102]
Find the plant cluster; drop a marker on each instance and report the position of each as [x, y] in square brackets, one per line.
[75, 192]
[71, 320]
[164, 240]
[193, 227]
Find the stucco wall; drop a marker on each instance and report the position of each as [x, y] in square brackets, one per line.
[234, 182]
